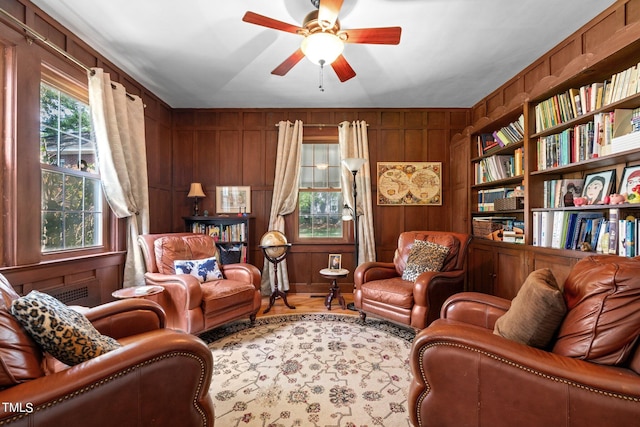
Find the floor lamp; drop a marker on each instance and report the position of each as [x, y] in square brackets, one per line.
[353, 164]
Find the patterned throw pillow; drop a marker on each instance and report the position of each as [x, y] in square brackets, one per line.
[203, 269]
[424, 256]
[61, 331]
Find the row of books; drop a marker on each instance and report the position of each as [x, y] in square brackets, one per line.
[222, 233]
[586, 141]
[487, 198]
[510, 134]
[498, 167]
[575, 102]
[587, 231]
[559, 193]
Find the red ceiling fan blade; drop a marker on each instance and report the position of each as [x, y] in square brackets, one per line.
[288, 63]
[343, 69]
[254, 18]
[383, 35]
[328, 12]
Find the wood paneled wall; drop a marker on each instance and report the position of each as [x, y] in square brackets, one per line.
[238, 147]
[86, 279]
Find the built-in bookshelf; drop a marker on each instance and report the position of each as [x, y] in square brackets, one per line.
[586, 136]
[231, 233]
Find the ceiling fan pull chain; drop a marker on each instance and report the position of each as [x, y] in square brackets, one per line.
[321, 75]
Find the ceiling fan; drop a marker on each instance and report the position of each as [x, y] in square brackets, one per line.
[323, 41]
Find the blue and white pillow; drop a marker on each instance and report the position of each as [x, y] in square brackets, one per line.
[203, 269]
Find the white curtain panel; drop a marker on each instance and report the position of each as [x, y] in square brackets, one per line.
[355, 143]
[285, 195]
[118, 123]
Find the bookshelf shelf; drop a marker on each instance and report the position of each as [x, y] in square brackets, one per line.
[233, 234]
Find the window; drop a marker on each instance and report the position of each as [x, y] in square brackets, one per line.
[320, 195]
[71, 199]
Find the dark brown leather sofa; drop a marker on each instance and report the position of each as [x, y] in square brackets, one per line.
[465, 375]
[192, 306]
[159, 377]
[380, 289]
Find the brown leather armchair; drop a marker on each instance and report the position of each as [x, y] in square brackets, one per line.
[159, 377]
[192, 306]
[465, 375]
[380, 289]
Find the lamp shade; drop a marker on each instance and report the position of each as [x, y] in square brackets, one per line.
[196, 190]
[322, 47]
[354, 163]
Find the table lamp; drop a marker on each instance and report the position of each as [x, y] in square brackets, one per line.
[195, 192]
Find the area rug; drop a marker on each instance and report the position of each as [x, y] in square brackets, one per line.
[311, 370]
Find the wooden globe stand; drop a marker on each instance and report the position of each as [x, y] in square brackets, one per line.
[275, 261]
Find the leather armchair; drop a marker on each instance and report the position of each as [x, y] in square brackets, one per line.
[192, 306]
[465, 375]
[159, 377]
[380, 289]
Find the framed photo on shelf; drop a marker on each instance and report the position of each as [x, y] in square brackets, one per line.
[335, 261]
[598, 185]
[235, 200]
[409, 183]
[630, 179]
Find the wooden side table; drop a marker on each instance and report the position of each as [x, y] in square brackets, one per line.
[137, 292]
[333, 275]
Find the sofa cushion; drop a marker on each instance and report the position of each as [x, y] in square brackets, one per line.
[204, 270]
[535, 313]
[167, 250]
[424, 256]
[61, 331]
[20, 356]
[603, 301]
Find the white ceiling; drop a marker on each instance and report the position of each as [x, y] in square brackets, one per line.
[200, 54]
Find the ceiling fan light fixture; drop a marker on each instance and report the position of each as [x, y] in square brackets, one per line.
[322, 47]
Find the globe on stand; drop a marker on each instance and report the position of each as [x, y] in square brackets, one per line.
[275, 247]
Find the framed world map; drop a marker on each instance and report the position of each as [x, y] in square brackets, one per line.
[409, 183]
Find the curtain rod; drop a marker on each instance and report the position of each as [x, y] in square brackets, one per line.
[318, 125]
[31, 32]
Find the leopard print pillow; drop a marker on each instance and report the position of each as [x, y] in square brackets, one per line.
[61, 331]
[424, 256]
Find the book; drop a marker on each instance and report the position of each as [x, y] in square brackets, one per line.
[604, 230]
[546, 228]
[580, 231]
[571, 229]
[559, 228]
[614, 215]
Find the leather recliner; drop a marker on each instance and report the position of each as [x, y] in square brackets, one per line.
[192, 306]
[158, 377]
[380, 289]
[464, 374]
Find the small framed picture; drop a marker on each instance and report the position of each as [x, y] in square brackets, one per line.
[235, 200]
[598, 185]
[630, 179]
[335, 261]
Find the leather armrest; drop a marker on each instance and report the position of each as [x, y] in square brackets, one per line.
[127, 382]
[183, 289]
[447, 354]
[242, 272]
[370, 271]
[126, 317]
[475, 308]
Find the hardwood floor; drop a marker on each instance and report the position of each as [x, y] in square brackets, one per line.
[306, 303]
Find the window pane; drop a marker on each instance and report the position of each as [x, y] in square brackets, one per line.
[73, 193]
[320, 177]
[306, 177]
[51, 190]
[92, 195]
[92, 229]
[334, 177]
[51, 230]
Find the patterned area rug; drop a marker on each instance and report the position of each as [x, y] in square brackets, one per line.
[311, 370]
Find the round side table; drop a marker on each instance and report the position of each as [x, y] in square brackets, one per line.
[333, 275]
[137, 292]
